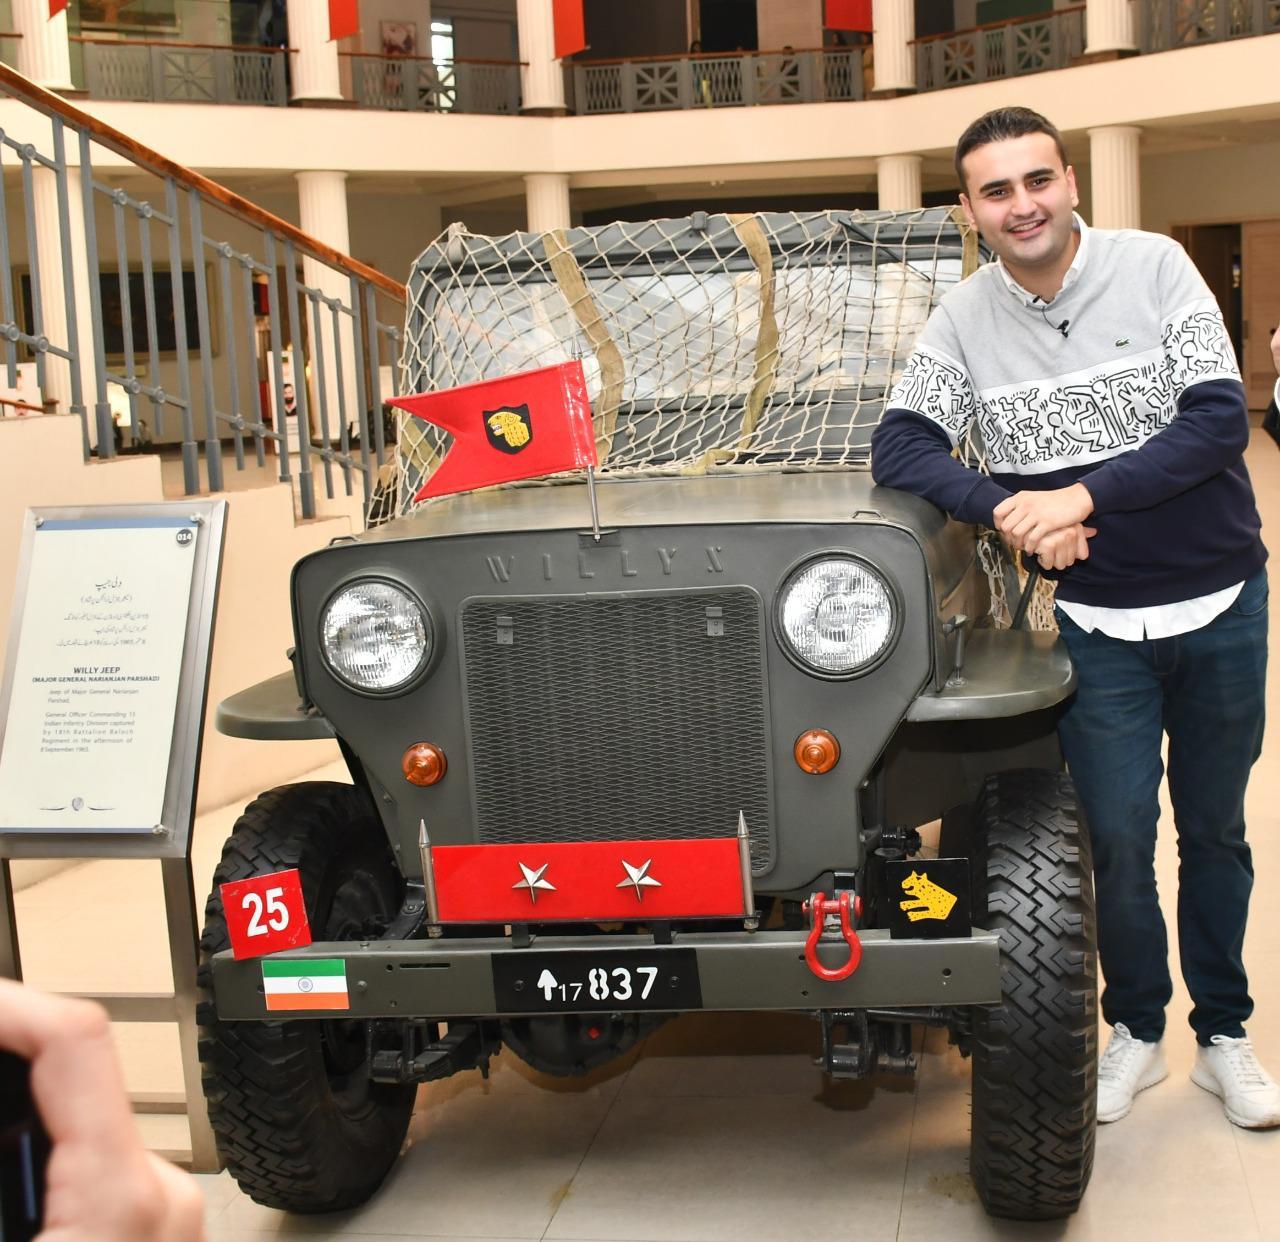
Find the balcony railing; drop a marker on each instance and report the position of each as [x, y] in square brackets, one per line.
[419, 84]
[666, 83]
[141, 318]
[1165, 24]
[184, 72]
[1005, 49]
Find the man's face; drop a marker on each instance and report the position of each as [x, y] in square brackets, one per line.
[1020, 198]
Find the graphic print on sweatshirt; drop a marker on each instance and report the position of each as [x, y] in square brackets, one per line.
[1080, 417]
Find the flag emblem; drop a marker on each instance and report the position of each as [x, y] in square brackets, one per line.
[509, 429]
[508, 449]
[319, 983]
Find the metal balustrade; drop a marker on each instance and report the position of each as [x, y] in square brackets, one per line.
[184, 72]
[1165, 24]
[1000, 50]
[179, 298]
[742, 79]
[418, 84]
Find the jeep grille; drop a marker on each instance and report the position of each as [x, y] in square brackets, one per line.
[598, 717]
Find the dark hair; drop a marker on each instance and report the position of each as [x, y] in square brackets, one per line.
[999, 126]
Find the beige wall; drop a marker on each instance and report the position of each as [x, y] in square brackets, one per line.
[788, 23]
[1221, 185]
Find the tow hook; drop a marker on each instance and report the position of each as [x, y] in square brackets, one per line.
[848, 907]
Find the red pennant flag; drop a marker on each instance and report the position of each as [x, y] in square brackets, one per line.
[517, 427]
[344, 19]
[849, 15]
[56, 7]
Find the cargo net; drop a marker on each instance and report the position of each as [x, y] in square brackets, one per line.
[713, 343]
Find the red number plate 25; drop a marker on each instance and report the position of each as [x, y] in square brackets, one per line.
[265, 914]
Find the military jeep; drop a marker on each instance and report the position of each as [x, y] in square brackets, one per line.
[664, 739]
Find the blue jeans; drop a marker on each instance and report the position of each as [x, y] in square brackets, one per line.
[1206, 690]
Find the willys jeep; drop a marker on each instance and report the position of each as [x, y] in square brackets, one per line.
[604, 772]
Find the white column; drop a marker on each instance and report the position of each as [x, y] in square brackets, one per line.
[44, 55]
[53, 296]
[895, 27]
[546, 197]
[315, 63]
[322, 201]
[1114, 169]
[1108, 27]
[898, 182]
[541, 75]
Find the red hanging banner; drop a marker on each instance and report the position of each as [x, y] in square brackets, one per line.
[56, 7]
[344, 18]
[849, 15]
[517, 427]
[570, 27]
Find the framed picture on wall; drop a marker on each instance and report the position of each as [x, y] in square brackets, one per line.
[399, 38]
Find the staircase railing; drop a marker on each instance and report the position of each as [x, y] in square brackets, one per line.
[165, 307]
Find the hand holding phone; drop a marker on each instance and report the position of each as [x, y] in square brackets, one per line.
[101, 1184]
[24, 1152]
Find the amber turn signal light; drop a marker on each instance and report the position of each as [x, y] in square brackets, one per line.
[423, 763]
[817, 751]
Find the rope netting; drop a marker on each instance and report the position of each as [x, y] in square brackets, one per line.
[711, 343]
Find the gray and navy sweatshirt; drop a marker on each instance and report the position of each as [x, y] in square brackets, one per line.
[1126, 381]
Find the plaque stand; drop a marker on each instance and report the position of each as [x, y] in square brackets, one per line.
[201, 525]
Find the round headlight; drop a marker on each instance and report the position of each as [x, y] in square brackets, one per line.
[837, 616]
[375, 636]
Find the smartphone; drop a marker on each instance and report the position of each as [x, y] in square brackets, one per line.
[24, 1153]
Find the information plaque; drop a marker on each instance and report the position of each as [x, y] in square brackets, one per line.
[102, 703]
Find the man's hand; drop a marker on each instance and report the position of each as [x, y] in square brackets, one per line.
[1275, 350]
[1062, 548]
[1027, 517]
[103, 1185]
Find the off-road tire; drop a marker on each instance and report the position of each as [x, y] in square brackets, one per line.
[1035, 1054]
[299, 1124]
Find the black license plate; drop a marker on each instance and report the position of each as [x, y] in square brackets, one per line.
[596, 980]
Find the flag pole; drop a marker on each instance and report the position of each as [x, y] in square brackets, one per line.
[595, 503]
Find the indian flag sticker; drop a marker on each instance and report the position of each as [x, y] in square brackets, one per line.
[318, 983]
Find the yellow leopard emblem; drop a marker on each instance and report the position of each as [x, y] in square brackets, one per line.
[510, 427]
[927, 900]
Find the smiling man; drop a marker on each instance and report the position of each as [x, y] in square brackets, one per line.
[1096, 370]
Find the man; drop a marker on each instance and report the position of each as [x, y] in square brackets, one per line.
[102, 1185]
[1271, 419]
[1100, 376]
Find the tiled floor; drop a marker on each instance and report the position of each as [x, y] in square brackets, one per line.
[719, 1127]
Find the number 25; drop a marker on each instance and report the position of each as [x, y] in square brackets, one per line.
[277, 912]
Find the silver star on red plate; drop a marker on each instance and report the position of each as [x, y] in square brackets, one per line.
[638, 878]
[533, 881]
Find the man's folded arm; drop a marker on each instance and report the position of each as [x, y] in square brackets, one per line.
[1208, 434]
[913, 453]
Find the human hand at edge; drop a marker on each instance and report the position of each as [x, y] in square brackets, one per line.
[102, 1185]
[1025, 518]
[1062, 548]
[1275, 350]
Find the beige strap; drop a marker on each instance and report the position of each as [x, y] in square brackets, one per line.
[573, 285]
[751, 235]
[969, 238]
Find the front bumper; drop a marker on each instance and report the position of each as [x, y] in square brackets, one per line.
[737, 971]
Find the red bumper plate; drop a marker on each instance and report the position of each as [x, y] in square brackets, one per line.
[597, 880]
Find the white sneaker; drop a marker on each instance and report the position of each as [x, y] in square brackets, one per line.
[1230, 1069]
[1128, 1066]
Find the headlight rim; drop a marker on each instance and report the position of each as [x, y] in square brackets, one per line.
[434, 636]
[807, 562]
